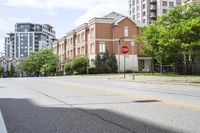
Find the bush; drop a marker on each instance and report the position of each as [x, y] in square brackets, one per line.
[79, 64]
[94, 70]
[68, 69]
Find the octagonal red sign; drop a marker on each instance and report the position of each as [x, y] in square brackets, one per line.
[125, 49]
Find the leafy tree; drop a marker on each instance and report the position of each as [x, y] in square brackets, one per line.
[43, 61]
[1, 71]
[68, 69]
[79, 64]
[175, 37]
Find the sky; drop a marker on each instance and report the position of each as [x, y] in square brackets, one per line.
[63, 15]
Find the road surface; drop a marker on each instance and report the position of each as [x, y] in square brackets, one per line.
[94, 104]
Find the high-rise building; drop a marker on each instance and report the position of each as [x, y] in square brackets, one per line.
[28, 38]
[147, 11]
[190, 1]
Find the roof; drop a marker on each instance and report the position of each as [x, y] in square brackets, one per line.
[114, 15]
[134, 21]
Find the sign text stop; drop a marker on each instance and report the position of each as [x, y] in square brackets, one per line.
[125, 49]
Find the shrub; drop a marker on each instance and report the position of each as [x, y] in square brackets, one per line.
[79, 64]
[94, 70]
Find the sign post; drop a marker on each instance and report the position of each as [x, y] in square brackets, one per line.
[124, 50]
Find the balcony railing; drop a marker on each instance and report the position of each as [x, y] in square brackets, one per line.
[152, 1]
[153, 7]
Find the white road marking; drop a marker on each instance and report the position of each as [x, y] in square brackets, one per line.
[2, 124]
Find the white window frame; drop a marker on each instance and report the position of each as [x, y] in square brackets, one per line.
[102, 47]
[126, 31]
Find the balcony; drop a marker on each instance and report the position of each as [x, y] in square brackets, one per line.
[153, 7]
[153, 15]
[152, 1]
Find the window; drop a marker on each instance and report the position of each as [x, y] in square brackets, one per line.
[79, 51]
[144, 20]
[78, 38]
[171, 4]
[92, 48]
[144, 6]
[144, 13]
[83, 50]
[102, 48]
[164, 3]
[164, 10]
[82, 36]
[126, 32]
[92, 33]
[71, 41]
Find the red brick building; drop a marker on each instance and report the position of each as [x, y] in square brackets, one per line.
[110, 32]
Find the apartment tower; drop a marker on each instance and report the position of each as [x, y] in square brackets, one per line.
[147, 11]
[28, 38]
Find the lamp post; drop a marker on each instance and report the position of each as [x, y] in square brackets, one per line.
[122, 38]
[133, 44]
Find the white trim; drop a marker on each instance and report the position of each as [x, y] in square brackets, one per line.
[2, 124]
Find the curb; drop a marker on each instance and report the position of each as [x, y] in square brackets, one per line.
[2, 124]
[154, 82]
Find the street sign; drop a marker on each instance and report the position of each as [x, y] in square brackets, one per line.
[125, 49]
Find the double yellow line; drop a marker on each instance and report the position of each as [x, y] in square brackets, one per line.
[111, 91]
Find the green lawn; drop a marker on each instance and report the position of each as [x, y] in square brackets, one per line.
[167, 75]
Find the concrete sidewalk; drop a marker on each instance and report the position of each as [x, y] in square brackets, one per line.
[159, 79]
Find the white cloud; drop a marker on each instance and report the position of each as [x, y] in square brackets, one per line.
[4, 26]
[93, 8]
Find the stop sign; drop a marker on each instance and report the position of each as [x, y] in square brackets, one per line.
[124, 49]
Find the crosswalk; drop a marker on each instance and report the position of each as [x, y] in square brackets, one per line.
[2, 124]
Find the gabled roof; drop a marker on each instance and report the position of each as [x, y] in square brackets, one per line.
[114, 15]
[135, 22]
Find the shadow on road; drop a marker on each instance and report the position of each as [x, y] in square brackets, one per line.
[23, 116]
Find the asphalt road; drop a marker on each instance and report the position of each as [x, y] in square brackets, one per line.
[94, 104]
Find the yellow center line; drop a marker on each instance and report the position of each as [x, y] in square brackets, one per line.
[86, 88]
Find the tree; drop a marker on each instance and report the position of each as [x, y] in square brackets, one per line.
[68, 69]
[113, 63]
[79, 64]
[106, 64]
[11, 70]
[43, 61]
[175, 37]
[98, 63]
[1, 71]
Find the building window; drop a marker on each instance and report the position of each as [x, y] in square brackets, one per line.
[78, 38]
[164, 3]
[171, 4]
[71, 41]
[102, 48]
[164, 10]
[82, 37]
[79, 51]
[92, 33]
[126, 32]
[92, 48]
[144, 13]
[144, 6]
[144, 20]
